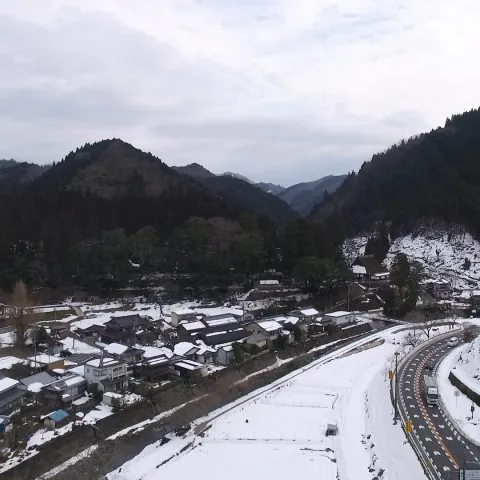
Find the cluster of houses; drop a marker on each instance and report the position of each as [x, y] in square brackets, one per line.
[204, 343]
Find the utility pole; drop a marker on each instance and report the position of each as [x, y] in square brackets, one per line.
[395, 418]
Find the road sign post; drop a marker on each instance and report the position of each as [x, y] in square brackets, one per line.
[472, 409]
[457, 394]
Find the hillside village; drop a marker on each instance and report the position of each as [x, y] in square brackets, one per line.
[93, 360]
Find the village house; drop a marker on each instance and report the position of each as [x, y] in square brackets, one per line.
[107, 374]
[271, 328]
[126, 353]
[58, 330]
[206, 354]
[374, 270]
[339, 318]
[268, 285]
[12, 394]
[189, 330]
[182, 315]
[225, 355]
[186, 349]
[43, 362]
[440, 289]
[191, 370]
[227, 335]
[34, 384]
[122, 328]
[64, 391]
[258, 339]
[90, 331]
[156, 364]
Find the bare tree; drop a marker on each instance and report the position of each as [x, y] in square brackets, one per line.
[427, 326]
[412, 339]
[20, 314]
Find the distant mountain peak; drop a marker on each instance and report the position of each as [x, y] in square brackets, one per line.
[237, 175]
[194, 170]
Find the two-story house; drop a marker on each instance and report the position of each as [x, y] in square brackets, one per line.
[130, 355]
[182, 315]
[122, 328]
[12, 394]
[107, 373]
[270, 328]
[63, 391]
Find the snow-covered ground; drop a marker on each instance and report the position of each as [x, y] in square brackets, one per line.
[279, 430]
[456, 404]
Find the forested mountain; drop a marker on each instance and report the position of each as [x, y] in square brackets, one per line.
[14, 174]
[272, 188]
[249, 197]
[194, 170]
[241, 192]
[303, 197]
[108, 205]
[433, 175]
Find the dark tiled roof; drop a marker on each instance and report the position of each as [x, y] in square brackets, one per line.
[371, 264]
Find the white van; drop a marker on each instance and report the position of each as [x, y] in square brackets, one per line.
[452, 342]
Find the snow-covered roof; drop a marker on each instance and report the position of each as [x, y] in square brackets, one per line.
[381, 274]
[107, 362]
[112, 395]
[193, 325]
[359, 270]
[116, 348]
[183, 311]
[309, 312]
[189, 365]
[220, 321]
[340, 313]
[270, 325]
[269, 282]
[7, 383]
[203, 349]
[150, 352]
[183, 348]
[292, 320]
[214, 311]
[8, 362]
[45, 359]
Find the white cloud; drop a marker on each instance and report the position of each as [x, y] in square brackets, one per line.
[281, 90]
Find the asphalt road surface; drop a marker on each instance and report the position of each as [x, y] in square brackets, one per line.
[444, 447]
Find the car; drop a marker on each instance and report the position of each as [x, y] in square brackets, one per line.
[452, 342]
[430, 365]
[65, 353]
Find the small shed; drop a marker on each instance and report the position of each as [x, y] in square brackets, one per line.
[332, 429]
[55, 419]
[113, 399]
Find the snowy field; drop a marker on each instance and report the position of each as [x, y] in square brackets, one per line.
[279, 431]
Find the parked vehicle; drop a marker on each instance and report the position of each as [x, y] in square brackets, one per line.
[65, 353]
[452, 342]
[430, 390]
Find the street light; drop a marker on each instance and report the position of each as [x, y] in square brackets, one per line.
[395, 418]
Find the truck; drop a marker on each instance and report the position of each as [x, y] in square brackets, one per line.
[430, 390]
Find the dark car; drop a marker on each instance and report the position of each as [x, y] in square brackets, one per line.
[430, 365]
[65, 353]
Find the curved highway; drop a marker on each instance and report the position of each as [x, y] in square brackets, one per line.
[441, 446]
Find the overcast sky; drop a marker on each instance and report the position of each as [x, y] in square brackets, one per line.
[278, 90]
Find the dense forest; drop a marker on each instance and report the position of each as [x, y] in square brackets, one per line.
[433, 175]
[108, 212]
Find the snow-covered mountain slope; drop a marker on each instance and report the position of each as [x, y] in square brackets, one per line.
[442, 254]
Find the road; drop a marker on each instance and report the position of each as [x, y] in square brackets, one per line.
[442, 445]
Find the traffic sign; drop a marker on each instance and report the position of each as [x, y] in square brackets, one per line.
[390, 374]
[408, 426]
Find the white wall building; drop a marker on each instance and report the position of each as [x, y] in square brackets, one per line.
[109, 374]
[339, 318]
